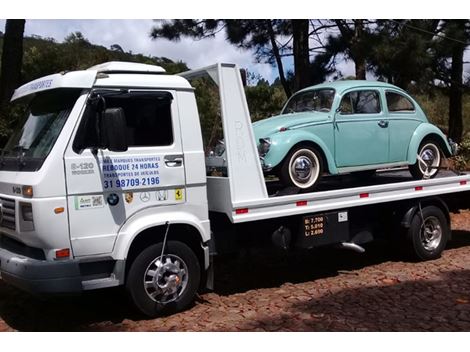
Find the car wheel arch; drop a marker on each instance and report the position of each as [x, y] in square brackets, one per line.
[418, 138]
[308, 143]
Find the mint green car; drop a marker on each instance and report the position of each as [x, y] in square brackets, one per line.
[349, 126]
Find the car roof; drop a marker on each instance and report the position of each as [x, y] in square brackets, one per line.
[341, 86]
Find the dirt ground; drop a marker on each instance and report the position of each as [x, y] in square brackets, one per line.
[322, 290]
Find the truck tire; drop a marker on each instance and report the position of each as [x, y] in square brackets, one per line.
[302, 168]
[427, 239]
[158, 287]
[430, 152]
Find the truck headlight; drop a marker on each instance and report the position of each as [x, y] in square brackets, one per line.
[263, 146]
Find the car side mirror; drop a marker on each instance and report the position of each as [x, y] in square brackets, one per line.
[113, 130]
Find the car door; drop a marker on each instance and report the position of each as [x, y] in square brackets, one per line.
[403, 122]
[105, 188]
[361, 130]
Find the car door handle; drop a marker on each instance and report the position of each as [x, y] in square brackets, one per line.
[383, 124]
[173, 161]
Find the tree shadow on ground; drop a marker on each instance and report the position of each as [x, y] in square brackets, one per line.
[265, 269]
[25, 312]
[256, 270]
[418, 305]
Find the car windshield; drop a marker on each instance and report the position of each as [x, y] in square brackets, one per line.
[38, 129]
[311, 100]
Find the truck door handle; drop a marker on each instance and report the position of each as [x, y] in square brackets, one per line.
[383, 124]
[173, 161]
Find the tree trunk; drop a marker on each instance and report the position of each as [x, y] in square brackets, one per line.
[12, 58]
[277, 56]
[356, 48]
[354, 36]
[455, 94]
[301, 53]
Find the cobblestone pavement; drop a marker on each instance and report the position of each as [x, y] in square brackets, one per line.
[324, 290]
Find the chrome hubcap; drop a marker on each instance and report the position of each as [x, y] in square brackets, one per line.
[429, 160]
[302, 168]
[431, 233]
[166, 278]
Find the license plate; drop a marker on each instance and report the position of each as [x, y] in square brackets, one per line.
[314, 225]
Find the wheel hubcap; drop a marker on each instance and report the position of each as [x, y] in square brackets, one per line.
[429, 160]
[166, 278]
[302, 168]
[431, 233]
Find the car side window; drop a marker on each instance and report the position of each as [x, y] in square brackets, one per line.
[398, 103]
[361, 102]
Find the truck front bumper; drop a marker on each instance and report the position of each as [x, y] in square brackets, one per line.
[39, 276]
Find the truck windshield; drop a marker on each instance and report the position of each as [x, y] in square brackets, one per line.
[311, 100]
[38, 129]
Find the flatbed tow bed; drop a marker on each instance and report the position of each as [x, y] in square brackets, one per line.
[338, 192]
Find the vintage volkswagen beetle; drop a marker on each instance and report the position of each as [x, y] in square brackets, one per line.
[349, 126]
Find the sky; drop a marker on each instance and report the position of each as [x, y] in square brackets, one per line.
[134, 35]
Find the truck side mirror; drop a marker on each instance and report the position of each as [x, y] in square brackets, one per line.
[113, 130]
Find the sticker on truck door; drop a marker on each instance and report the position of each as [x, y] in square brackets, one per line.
[88, 202]
[130, 172]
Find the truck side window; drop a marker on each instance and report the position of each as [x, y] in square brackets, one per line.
[148, 117]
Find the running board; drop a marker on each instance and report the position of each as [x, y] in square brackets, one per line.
[110, 281]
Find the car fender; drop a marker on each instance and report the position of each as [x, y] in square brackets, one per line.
[282, 143]
[148, 218]
[422, 131]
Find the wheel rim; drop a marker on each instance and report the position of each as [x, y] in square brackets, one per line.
[429, 159]
[431, 233]
[304, 168]
[166, 279]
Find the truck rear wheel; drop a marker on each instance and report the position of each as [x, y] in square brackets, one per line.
[162, 285]
[428, 233]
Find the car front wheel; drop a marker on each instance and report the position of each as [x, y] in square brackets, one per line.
[302, 168]
[428, 161]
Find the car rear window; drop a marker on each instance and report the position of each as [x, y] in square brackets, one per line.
[397, 102]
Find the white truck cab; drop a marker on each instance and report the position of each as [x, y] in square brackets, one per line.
[104, 183]
[71, 207]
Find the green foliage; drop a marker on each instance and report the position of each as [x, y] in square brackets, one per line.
[44, 56]
[264, 100]
[462, 160]
[436, 106]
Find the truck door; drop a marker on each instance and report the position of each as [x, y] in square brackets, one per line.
[105, 188]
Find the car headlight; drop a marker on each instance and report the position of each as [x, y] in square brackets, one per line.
[263, 146]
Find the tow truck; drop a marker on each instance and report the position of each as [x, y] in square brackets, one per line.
[107, 182]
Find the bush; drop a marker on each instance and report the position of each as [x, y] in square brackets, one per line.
[461, 161]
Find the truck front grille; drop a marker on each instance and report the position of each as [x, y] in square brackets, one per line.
[8, 212]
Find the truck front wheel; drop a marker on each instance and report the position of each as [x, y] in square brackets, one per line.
[428, 233]
[163, 284]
